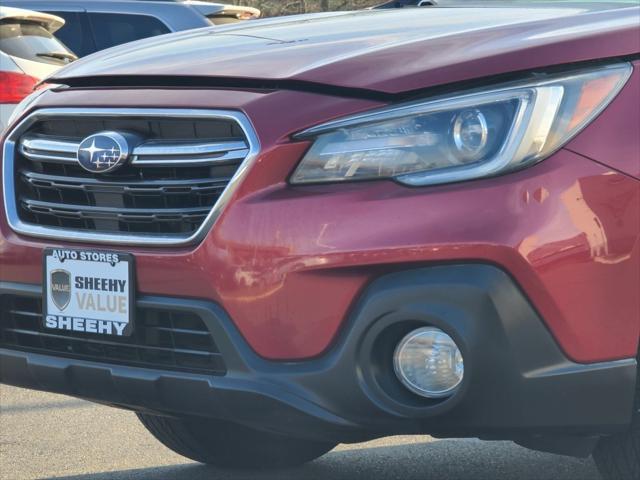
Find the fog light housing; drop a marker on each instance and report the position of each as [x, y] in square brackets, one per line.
[429, 363]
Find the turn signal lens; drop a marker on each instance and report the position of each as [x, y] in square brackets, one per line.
[14, 86]
[26, 103]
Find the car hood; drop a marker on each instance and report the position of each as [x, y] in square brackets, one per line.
[386, 51]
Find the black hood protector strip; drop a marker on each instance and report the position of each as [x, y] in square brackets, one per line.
[171, 82]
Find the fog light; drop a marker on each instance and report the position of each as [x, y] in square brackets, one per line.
[429, 363]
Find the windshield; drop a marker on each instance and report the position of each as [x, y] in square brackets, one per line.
[33, 42]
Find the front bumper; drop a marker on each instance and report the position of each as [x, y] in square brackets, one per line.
[287, 262]
[517, 380]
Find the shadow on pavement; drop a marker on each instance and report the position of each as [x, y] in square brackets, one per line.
[45, 406]
[446, 460]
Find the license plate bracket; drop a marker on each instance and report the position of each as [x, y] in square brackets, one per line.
[88, 291]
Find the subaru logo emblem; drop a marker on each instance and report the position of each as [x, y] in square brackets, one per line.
[103, 152]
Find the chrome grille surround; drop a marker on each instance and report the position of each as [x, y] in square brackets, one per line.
[150, 154]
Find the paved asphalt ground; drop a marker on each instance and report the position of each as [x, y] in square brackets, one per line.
[51, 436]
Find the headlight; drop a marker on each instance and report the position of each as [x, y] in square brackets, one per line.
[459, 137]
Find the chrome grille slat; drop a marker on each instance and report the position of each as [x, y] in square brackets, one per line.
[41, 148]
[138, 186]
[130, 214]
[144, 160]
[37, 148]
[170, 192]
[166, 148]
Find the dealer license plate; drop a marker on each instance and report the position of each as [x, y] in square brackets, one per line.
[88, 291]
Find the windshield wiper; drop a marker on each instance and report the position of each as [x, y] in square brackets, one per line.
[58, 55]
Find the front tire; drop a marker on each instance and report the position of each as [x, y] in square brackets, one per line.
[618, 456]
[229, 445]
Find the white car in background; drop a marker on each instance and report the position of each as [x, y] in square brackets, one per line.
[28, 53]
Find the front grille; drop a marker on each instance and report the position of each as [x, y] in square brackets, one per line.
[169, 189]
[161, 339]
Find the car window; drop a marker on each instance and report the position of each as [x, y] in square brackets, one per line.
[110, 29]
[75, 33]
[32, 41]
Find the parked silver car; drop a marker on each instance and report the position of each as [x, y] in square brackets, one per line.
[28, 53]
[98, 24]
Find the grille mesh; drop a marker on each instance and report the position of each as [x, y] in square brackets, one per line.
[162, 339]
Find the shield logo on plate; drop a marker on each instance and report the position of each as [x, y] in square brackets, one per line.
[60, 284]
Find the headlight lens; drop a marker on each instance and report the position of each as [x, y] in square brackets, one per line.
[472, 135]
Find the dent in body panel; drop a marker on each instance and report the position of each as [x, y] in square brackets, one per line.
[567, 230]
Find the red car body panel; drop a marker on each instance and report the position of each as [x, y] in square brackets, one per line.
[364, 50]
[287, 263]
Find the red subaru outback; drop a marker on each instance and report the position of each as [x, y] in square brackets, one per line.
[270, 238]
